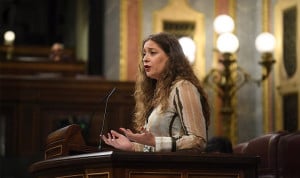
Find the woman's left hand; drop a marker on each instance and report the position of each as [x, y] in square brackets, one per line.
[145, 137]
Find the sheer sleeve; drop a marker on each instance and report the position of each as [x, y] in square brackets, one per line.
[188, 106]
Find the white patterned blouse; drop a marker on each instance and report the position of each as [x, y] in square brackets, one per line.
[182, 126]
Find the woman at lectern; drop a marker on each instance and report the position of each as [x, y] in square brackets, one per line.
[172, 111]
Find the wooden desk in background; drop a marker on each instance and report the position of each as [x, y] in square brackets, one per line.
[41, 66]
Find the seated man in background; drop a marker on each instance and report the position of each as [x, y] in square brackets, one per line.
[57, 53]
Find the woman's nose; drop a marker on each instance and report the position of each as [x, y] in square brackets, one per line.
[145, 58]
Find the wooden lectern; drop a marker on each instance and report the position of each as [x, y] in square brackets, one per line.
[111, 164]
[67, 156]
[66, 141]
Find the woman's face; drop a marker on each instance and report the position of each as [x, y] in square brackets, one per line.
[154, 59]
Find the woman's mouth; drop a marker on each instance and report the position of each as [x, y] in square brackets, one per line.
[147, 68]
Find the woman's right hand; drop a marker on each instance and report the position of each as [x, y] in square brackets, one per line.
[144, 137]
[118, 141]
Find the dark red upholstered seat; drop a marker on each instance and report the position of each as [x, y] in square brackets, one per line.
[289, 155]
[239, 148]
[265, 146]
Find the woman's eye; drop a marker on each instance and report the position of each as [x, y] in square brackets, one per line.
[150, 53]
[144, 53]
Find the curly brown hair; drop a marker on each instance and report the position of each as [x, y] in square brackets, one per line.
[150, 92]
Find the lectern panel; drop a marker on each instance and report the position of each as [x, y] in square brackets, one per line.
[99, 175]
[156, 174]
[72, 176]
[213, 175]
[183, 174]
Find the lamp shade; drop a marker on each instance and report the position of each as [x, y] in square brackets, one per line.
[9, 37]
[223, 23]
[188, 47]
[265, 42]
[227, 43]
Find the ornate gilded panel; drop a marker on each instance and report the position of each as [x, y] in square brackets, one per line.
[179, 29]
[287, 79]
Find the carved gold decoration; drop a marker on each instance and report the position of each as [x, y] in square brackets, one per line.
[179, 12]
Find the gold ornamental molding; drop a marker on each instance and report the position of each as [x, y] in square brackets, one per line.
[179, 13]
[123, 40]
[267, 85]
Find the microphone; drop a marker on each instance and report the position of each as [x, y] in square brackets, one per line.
[104, 115]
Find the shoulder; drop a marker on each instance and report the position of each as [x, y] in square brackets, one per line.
[183, 84]
[184, 91]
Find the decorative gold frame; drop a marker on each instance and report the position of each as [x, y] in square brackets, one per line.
[284, 84]
[180, 11]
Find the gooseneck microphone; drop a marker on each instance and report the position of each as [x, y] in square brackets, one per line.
[104, 115]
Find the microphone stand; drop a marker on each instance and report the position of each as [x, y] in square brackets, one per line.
[104, 117]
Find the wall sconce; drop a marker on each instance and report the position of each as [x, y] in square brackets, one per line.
[9, 38]
[265, 44]
[189, 48]
[229, 78]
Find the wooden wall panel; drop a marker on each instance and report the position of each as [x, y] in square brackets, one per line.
[33, 107]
